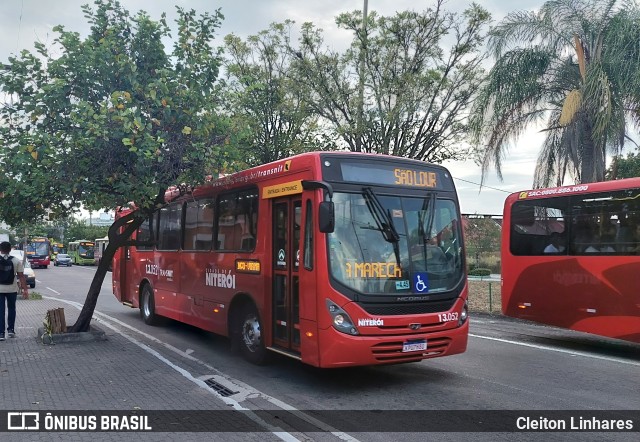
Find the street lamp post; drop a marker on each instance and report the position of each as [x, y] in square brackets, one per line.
[363, 48]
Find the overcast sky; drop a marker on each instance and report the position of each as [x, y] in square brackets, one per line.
[26, 21]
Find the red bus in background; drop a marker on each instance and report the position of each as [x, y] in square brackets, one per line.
[571, 257]
[335, 259]
[39, 252]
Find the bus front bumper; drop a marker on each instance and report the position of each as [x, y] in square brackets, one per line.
[342, 350]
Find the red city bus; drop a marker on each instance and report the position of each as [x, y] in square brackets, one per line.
[571, 257]
[39, 252]
[335, 259]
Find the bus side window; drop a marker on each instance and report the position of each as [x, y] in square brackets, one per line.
[198, 225]
[236, 220]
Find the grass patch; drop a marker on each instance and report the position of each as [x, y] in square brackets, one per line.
[34, 296]
[484, 296]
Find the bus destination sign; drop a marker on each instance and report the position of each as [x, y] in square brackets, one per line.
[392, 175]
[417, 178]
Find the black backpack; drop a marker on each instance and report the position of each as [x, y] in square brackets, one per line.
[7, 271]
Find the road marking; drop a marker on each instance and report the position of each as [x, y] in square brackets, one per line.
[248, 390]
[558, 350]
[57, 293]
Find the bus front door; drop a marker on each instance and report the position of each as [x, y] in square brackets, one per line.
[286, 261]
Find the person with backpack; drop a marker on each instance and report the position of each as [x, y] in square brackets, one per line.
[10, 267]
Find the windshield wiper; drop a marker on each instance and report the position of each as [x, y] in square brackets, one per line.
[422, 215]
[384, 222]
[381, 217]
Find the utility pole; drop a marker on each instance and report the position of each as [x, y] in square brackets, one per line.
[363, 49]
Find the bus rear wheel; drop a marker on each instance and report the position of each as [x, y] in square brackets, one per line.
[250, 336]
[148, 306]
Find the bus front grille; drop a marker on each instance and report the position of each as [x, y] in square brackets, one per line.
[391, 352]
[396, 309]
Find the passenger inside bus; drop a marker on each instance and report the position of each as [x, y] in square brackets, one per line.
[624, 233]
[556, 243]
[633, 247]
[601, 243]
[584, 238]
[607, 241]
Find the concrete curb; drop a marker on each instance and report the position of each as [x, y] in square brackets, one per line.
[94, 334]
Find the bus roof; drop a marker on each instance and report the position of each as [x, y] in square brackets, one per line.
[576, 189]
[295, 164]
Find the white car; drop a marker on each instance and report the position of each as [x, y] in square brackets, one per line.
[29, 274]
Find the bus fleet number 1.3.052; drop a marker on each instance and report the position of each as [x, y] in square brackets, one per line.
[446, 317]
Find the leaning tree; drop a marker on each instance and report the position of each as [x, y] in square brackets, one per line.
[109, 120]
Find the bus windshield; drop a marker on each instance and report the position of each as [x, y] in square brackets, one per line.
[420, 252]
[58, 248]
[86, 250]
[38, 249]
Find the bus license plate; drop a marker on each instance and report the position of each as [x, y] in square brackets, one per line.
[414, 346]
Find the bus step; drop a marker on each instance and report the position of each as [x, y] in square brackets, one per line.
[128, 304]
[286, 352]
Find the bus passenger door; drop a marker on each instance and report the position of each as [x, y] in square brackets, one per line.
[287, 214]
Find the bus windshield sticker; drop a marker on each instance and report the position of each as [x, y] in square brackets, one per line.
[396, 213]
[403, 285]
[281, 258]
[420, 282]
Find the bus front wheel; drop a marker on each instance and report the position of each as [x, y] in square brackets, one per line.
[250, 336]
[148, 306]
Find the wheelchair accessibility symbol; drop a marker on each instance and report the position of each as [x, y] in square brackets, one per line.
[420, 282]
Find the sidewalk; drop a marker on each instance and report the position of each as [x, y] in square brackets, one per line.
[114, 374]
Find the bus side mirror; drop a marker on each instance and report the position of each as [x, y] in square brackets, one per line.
[326, 217]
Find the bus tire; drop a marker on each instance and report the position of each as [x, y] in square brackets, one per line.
[148, 306]
[250, 337]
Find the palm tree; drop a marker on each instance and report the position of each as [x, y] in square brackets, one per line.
[574, 65]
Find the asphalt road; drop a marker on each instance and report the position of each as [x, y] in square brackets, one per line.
[509, 365]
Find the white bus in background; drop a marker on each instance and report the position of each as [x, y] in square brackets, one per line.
[101, 245]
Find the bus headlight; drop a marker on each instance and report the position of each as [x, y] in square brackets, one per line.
[464, 314]
[340, 319]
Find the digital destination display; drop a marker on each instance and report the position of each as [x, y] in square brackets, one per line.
[395, 175]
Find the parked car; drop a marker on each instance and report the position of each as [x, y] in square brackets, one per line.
[62, 259]
[29, 275]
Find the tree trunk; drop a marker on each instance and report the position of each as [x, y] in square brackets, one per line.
[57, 321]
[592, 161]
[116, 240]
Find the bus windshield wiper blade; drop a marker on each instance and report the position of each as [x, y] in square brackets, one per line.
[382, 218]
[426, 214]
